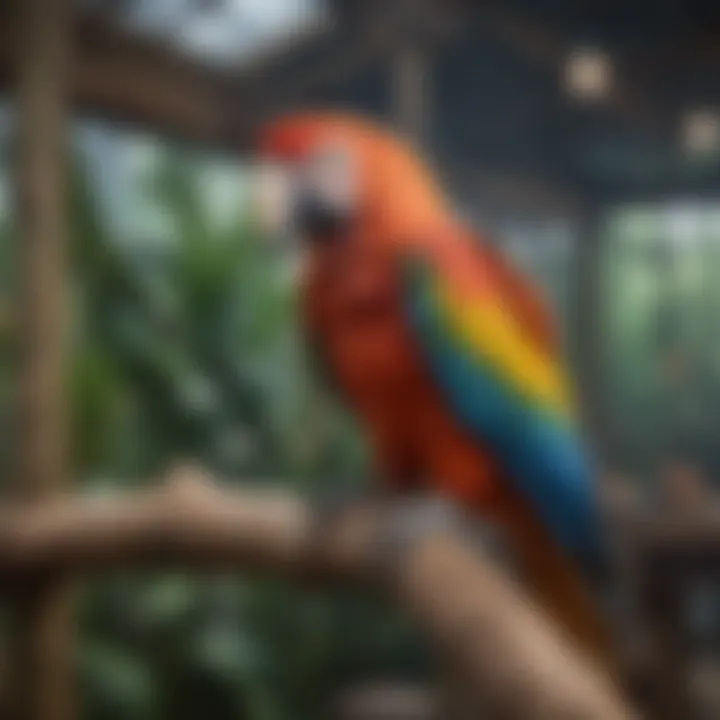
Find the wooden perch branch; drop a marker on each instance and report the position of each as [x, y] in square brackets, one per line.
[506, 653]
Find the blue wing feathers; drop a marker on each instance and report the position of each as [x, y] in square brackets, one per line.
[542, 455]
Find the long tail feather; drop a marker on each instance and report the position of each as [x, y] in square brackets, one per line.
[560, 590]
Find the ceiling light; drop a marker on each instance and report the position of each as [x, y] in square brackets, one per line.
[701, 132]
[588, 74]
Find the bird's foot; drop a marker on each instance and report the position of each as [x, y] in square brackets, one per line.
[404, 520]
[407, 513]
[333, 504]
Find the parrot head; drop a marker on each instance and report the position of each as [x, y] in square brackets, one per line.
[324, 175]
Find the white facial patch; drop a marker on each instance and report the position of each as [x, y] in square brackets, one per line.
[330, 175]
[273, 197]
[273, 194]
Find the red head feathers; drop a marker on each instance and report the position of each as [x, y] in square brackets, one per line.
[398, 195]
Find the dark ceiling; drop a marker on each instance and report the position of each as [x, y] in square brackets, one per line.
[497, 103]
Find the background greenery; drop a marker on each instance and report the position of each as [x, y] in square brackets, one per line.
[184, 345]
[662, 346]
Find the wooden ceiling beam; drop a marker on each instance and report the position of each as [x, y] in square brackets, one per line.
[366, 46]
[120, 76]
[123, 77]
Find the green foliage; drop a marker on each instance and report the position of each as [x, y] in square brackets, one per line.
[661, 311]
[174, 324]
[184, 346]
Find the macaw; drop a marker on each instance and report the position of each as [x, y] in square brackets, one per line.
[444, 351]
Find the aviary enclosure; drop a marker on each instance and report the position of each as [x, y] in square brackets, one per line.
[146, 336]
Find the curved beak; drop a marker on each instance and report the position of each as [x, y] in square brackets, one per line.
[309, 199]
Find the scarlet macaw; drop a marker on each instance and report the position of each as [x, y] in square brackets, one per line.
[444, 351]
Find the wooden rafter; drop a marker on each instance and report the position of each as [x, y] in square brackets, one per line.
[364, 47]
[123, 77]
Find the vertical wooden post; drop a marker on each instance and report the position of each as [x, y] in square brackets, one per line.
[41, 656]
[410, 69]
[41, 224]
[410, 92]
[661, 603]
[586, 324]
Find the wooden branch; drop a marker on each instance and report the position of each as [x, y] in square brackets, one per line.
[506, 652]
[691, 543]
